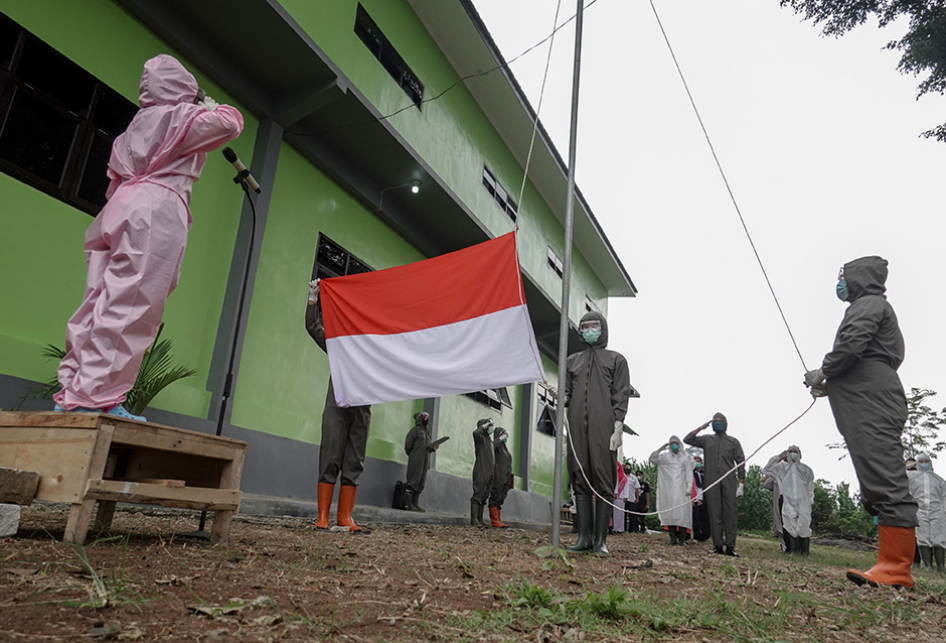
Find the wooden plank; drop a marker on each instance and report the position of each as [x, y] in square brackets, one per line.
[18, 487]
[158, 481]
[77, 527]
[80, 517]
[229, 479]
[153, 494]
[61, 455]
[177, 441]
[50, 419]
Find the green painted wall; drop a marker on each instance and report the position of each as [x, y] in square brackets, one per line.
[451, 134]
[112, 46]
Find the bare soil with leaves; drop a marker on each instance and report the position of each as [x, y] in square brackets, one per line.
[279, 580]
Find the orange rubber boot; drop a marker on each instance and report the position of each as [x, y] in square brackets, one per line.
[494, 517]
[893, 559]
[346, 502]
[325, 504]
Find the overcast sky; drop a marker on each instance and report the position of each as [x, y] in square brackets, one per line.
[819, 138]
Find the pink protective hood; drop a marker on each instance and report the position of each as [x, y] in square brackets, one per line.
[166, 82]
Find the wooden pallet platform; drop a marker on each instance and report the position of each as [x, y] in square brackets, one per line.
[84, 458]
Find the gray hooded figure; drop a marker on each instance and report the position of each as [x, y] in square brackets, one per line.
[483, 468]
[597, 389]
[870, 409]
[721, 452]
[416, 445]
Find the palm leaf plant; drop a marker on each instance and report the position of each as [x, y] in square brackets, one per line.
[156, 373]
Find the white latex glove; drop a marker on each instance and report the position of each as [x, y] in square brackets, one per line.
[209, 103]
[740, 490]
[617, 436]
[815, 377]
[314, 290]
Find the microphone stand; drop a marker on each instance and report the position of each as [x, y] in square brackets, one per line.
[240, 178]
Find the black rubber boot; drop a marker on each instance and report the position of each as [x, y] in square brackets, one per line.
[584, 518]
[602, 518]
[804, 546]
[475, 509]
[673, 535]
[479, 515]
[926, 555]
[406, 498]
[731, 551]
[413, 506]
[940, 554]
[791, 544]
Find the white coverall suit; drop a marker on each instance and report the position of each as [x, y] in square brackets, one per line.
[135, 246]
[796, 481]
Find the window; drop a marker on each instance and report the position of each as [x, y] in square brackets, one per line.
[494, 398]
[378, 44]
[545, 396]
[546, 423]
[555, 263]
[498, 192]
[57, 121]
[591, 306]
[331, 260]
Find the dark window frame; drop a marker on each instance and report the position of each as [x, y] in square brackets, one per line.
[500, 194]
[494, 398]
[591, 306]
[555, 263]
[352, 264]
[85, 129]
[378, 44]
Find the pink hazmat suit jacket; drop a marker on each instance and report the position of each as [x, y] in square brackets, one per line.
[135, 246]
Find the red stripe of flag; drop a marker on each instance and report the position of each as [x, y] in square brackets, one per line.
[454, 287]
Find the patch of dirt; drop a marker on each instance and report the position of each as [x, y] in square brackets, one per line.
[280, 580]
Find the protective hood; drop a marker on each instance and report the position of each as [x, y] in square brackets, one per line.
[795, 448]
[723, 418]
[483, 423]
[603, 340]
[865, 276]
[498, 434]
[419, 418]
[675, 439]
[166, 82]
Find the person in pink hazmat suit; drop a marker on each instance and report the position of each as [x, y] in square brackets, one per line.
[135, 246]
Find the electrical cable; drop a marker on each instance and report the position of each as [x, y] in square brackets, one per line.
[726, 182]
[461, 81]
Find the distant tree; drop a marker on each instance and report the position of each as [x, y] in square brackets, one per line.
[824, 509]
[923, 425]
[923, 47]
[755, 506]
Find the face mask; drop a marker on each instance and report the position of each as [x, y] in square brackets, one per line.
[424, 420]
[641, 478]
[504, 439]
[719, 427]
[489, 429]
[698, 465]
[591, 336]
[841, 290]
[925, 466]
[674, 447]
[794, 457]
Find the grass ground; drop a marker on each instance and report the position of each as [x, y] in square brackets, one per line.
[279, 580]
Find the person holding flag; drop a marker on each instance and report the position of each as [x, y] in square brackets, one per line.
[344, 437]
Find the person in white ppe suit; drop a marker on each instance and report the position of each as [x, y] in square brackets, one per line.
[796, 481]
[674, 488]
[930, 492]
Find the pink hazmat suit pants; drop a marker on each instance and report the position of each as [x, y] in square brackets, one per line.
[134, 250]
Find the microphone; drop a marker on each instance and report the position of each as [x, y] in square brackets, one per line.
[244, 173]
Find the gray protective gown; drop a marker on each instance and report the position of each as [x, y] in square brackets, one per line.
[598, 386]
[721, 452]
[866, 395]
[344, 431]
[418, 457]
[502, 474]
[930, 492]
[484, 465]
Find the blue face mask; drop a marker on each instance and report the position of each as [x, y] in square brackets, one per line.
[698, 465]
[719, 427]
[591, 336]
[925, 466]
[841, 290]
[674, 447]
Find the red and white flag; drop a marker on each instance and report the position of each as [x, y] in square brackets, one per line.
[452, 324]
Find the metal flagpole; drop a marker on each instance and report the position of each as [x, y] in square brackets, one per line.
[566, 285]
